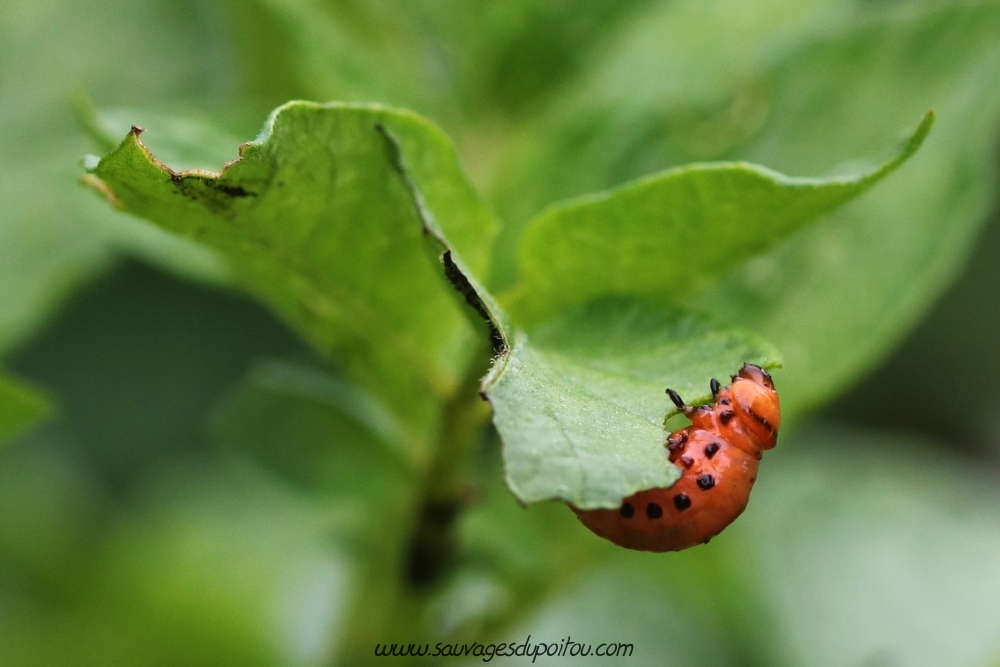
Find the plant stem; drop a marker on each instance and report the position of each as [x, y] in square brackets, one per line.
[419, 546]
[446, 484]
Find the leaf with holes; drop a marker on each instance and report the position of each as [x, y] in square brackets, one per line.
[318, 219]
[580, 402]
[805, 88]
[333, 218]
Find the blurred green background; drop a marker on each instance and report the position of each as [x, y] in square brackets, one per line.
[209, 492]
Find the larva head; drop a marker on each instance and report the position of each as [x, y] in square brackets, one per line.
[757, 403]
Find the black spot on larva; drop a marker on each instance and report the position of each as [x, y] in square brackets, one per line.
[676, 444]
[627, 510]
[724, 401]
[654, 511]
[706, 482]
[725, 416]
[682, 502]
[687, 461]
[714, 386]
[711, 449]
[677, 440]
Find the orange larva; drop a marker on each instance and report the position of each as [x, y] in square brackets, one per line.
[718, 454]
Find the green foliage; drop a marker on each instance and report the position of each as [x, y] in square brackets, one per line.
[580, 404]
[806, 88]
[670, 235]
[324, 219]
[877, 264]
[316, 221]
[588, 226]
[54, 237]
[21, 406]
[283, 414]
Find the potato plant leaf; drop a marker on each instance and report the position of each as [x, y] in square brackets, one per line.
[581, 402]
[839, 295]
[666, 235]
[317, 222]
[345, 218]
[20, 406]
[580, 405]
[805, 88]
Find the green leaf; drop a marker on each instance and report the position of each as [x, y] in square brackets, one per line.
[668, 235]
[319, 220]
[183, 142]
[804, 88]
[21, 406]
[837, 297]
[580, 403]
[677, 84]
